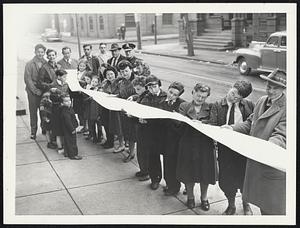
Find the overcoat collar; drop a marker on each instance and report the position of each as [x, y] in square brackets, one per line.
[275, 107]
[224, 102]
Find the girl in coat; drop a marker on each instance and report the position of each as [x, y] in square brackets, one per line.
[196, 161]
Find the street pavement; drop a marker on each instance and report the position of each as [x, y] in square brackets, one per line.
[101, 184]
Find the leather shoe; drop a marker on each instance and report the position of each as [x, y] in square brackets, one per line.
[107, 146]
[205, 205]
[229, 211]
[144, 178]
[247, 209]
[190, 203]
[171, 192]
[33, 136]
[154, 185]
[184, 192]
[76, 158]
[165, 188]
[139, 174]
[51, 145]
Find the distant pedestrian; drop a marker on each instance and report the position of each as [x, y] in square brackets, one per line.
[233, 108]
[123, 31]
[265, 186]
[67, 63]
[116, 56]
[34, 93]
[69, 125]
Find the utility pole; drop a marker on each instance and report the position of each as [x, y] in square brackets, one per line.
[77, 32]
[56, 21]
[155, 29]
[137, 18]
[188, 35]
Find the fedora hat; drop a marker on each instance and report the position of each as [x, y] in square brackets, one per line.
[128, 46]
[277, 77]
[114, 46]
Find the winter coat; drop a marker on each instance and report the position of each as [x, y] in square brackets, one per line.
[265, 186]
[69, 121]
[46, 76]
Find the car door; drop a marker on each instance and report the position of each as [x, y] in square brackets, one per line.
[269, 53]
[281, 54]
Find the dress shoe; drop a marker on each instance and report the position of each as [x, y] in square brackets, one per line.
[128, 158]
[144, 178]
[51, 145]
[204, 205]
[154, 185]
[107, 146]
[190, 203]
[229, 211]
[139, 174]
[119, 149]
[247, 209]
[171, 192]
[33, 136]
[76, 158]
[60, 150]
[184, 192]
[165, 188]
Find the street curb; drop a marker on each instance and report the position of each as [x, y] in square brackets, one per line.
[184, 57]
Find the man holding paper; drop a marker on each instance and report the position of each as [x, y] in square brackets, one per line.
[265, 186]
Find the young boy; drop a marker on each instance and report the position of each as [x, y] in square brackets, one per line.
[69, 125]
[45, 113]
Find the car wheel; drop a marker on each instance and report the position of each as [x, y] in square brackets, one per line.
[244, 69]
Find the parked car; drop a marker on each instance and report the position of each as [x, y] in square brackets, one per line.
[51, 35]
[263, 56]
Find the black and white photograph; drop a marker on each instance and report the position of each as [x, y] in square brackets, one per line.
[149, 113]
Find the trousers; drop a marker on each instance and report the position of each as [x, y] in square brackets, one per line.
[34, 104]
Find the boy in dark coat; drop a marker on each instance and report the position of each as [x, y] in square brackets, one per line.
[172, 137]
[230, 110]
[154, 131]
[69, 125]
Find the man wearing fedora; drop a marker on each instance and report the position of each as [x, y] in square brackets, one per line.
[116, 56]
[265, 186]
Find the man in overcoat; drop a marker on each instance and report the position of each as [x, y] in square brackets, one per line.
[34, 94]
[233, 108]
[116, 56]
[265, 186]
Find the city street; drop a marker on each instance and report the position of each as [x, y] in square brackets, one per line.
[101, 184]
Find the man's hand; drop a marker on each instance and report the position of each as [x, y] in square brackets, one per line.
[142, 121]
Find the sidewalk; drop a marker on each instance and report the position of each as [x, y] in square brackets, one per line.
[100, 184]
[170, 48]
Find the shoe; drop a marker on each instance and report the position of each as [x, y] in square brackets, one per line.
[171, 192]
[88, 138]
[184, 192]
[190, 203]
[139, 174]
[86, 133]
[51, 146]
[128, 158]
[66, 155]
[43, 131]
[154, 185]
[60, 150]
[247, 209]
[119, 149]
[102, 142]
[33, 136]
[107, 146]
[76, 158]
[144, 178]
[82, 130]
[165, 188]
[229, 211]
[205, 205]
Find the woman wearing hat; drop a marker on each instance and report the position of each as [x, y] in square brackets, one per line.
[265, 186]
[196, 162]
[233, 108]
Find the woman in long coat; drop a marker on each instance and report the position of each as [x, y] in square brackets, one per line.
[196, 161]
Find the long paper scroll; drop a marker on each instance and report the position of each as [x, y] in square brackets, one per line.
[248, 146]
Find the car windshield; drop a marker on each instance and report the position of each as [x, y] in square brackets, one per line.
[272, 41]
[283, 41]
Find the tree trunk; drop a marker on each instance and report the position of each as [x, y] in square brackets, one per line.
[188, 35]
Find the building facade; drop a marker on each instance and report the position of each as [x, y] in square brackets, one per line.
[106, 25]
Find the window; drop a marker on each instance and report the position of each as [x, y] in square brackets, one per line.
[283, 41]
[72, 24]
[167, 19]
[91, 23]
[273, 41]
[129, 20]
[101, 23]
[81, 23]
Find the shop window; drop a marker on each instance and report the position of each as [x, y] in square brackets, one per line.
[129, 20]
[167, 18]
[101, 23]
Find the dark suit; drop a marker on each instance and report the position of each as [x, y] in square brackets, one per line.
[231, 164]
[114, 61]
[31, 74]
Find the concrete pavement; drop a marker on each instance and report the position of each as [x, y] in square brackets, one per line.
[100, 184]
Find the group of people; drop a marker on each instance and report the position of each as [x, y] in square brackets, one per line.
[189, 156]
